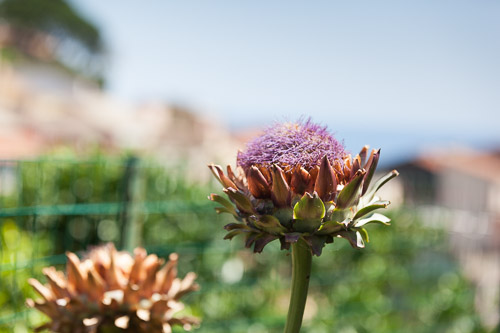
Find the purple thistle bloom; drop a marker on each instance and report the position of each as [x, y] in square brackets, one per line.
[289, 145]
[287, 182]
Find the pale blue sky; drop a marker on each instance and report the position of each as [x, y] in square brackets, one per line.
[396, 74]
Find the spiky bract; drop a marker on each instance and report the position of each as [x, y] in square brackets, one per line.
[296, 181]
[111, 291]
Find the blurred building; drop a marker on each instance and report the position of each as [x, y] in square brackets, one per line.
[52, 58]
[459, 190]
[43, 107]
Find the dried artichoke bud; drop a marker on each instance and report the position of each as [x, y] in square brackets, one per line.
[112, 291]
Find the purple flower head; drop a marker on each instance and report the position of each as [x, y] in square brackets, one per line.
[289, 145]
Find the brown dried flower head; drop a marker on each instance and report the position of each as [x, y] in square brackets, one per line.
[112, 291]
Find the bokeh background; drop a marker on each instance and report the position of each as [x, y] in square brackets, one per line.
[110, 111]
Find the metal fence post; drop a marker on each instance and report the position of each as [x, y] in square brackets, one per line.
[130, 228]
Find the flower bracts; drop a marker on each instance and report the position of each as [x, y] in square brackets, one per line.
[111, 291]
[294, 197]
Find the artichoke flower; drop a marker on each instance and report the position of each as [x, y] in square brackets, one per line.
[111, 291]
[296, 181]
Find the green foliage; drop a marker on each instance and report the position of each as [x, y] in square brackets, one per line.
[54, 33]
[55, 17]
[50, 185]
[405, 280]
[16, 267]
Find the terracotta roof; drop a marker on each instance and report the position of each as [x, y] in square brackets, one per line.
[483, 165]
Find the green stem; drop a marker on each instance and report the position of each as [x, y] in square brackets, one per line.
[301, 270]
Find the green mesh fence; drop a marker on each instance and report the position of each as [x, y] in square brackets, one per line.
[48, 207]
[404, 281]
